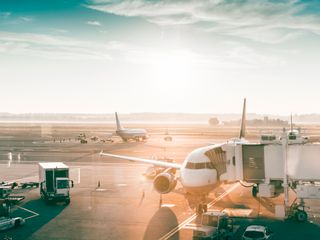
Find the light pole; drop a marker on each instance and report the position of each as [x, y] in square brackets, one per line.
[285, 168]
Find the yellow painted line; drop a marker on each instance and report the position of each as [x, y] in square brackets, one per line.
[191, 218]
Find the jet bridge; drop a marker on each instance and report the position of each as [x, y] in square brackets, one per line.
[265, 163]
[272, 168]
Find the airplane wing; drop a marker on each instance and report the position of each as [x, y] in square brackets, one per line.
[150, 161]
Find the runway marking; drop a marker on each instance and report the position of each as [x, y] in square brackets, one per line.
[122, 184]
[191, 218]
[34, 213]
[168, 205]
[102, 190]
[20, 179]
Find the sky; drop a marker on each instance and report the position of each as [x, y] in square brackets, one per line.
[101, 56]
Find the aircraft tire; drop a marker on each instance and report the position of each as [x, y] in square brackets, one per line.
[17, 223]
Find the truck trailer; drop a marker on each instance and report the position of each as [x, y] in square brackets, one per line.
[54, 182]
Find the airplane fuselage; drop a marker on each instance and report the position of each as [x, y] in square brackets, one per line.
[206, 167]
[132, 134]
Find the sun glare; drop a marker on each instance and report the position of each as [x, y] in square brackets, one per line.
[170, 70]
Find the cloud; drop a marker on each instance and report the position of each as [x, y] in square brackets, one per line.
[26, 19]
[94, 23]
[229, 55]
[51, 47]
[257, 20]
[5, 14]
[8, 19]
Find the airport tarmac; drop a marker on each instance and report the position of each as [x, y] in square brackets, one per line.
[125, 206]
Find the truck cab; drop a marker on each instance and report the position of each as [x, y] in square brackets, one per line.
[214, 225]
[63, 186]
[5, 191]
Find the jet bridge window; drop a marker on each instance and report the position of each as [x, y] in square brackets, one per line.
[268, 137]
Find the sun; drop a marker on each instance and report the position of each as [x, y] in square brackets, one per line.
[171, 69]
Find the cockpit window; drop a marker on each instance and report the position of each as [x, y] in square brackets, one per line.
[200, 165]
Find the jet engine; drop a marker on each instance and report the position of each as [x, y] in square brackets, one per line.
[164, 182]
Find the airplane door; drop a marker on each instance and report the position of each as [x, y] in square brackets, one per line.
[253, 163]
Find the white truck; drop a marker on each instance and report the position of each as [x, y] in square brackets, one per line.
[215, 225]
[54, 182]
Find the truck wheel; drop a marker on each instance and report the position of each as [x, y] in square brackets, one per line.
[47, 201]
[17, 223]
[301, 216]
[255, 191]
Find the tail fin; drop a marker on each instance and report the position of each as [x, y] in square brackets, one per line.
[242, 133]
[119, 127]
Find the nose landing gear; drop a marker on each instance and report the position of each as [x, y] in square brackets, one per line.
[202, 208]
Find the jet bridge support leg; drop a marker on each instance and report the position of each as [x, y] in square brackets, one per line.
[304, 190]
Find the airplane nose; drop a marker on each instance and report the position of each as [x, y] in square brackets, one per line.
[198, 177]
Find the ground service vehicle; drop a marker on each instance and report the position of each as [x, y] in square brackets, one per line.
[215, 225]
[257, 232]
[54, 182]
[5, 191]
[6, 222]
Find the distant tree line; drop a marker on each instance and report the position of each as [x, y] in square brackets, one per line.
[253, 122]
[213, 121]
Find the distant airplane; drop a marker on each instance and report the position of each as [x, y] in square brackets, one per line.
[201, 171]
[130, 134]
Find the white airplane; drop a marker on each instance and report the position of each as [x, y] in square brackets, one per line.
[127, 134]
[201, 171]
